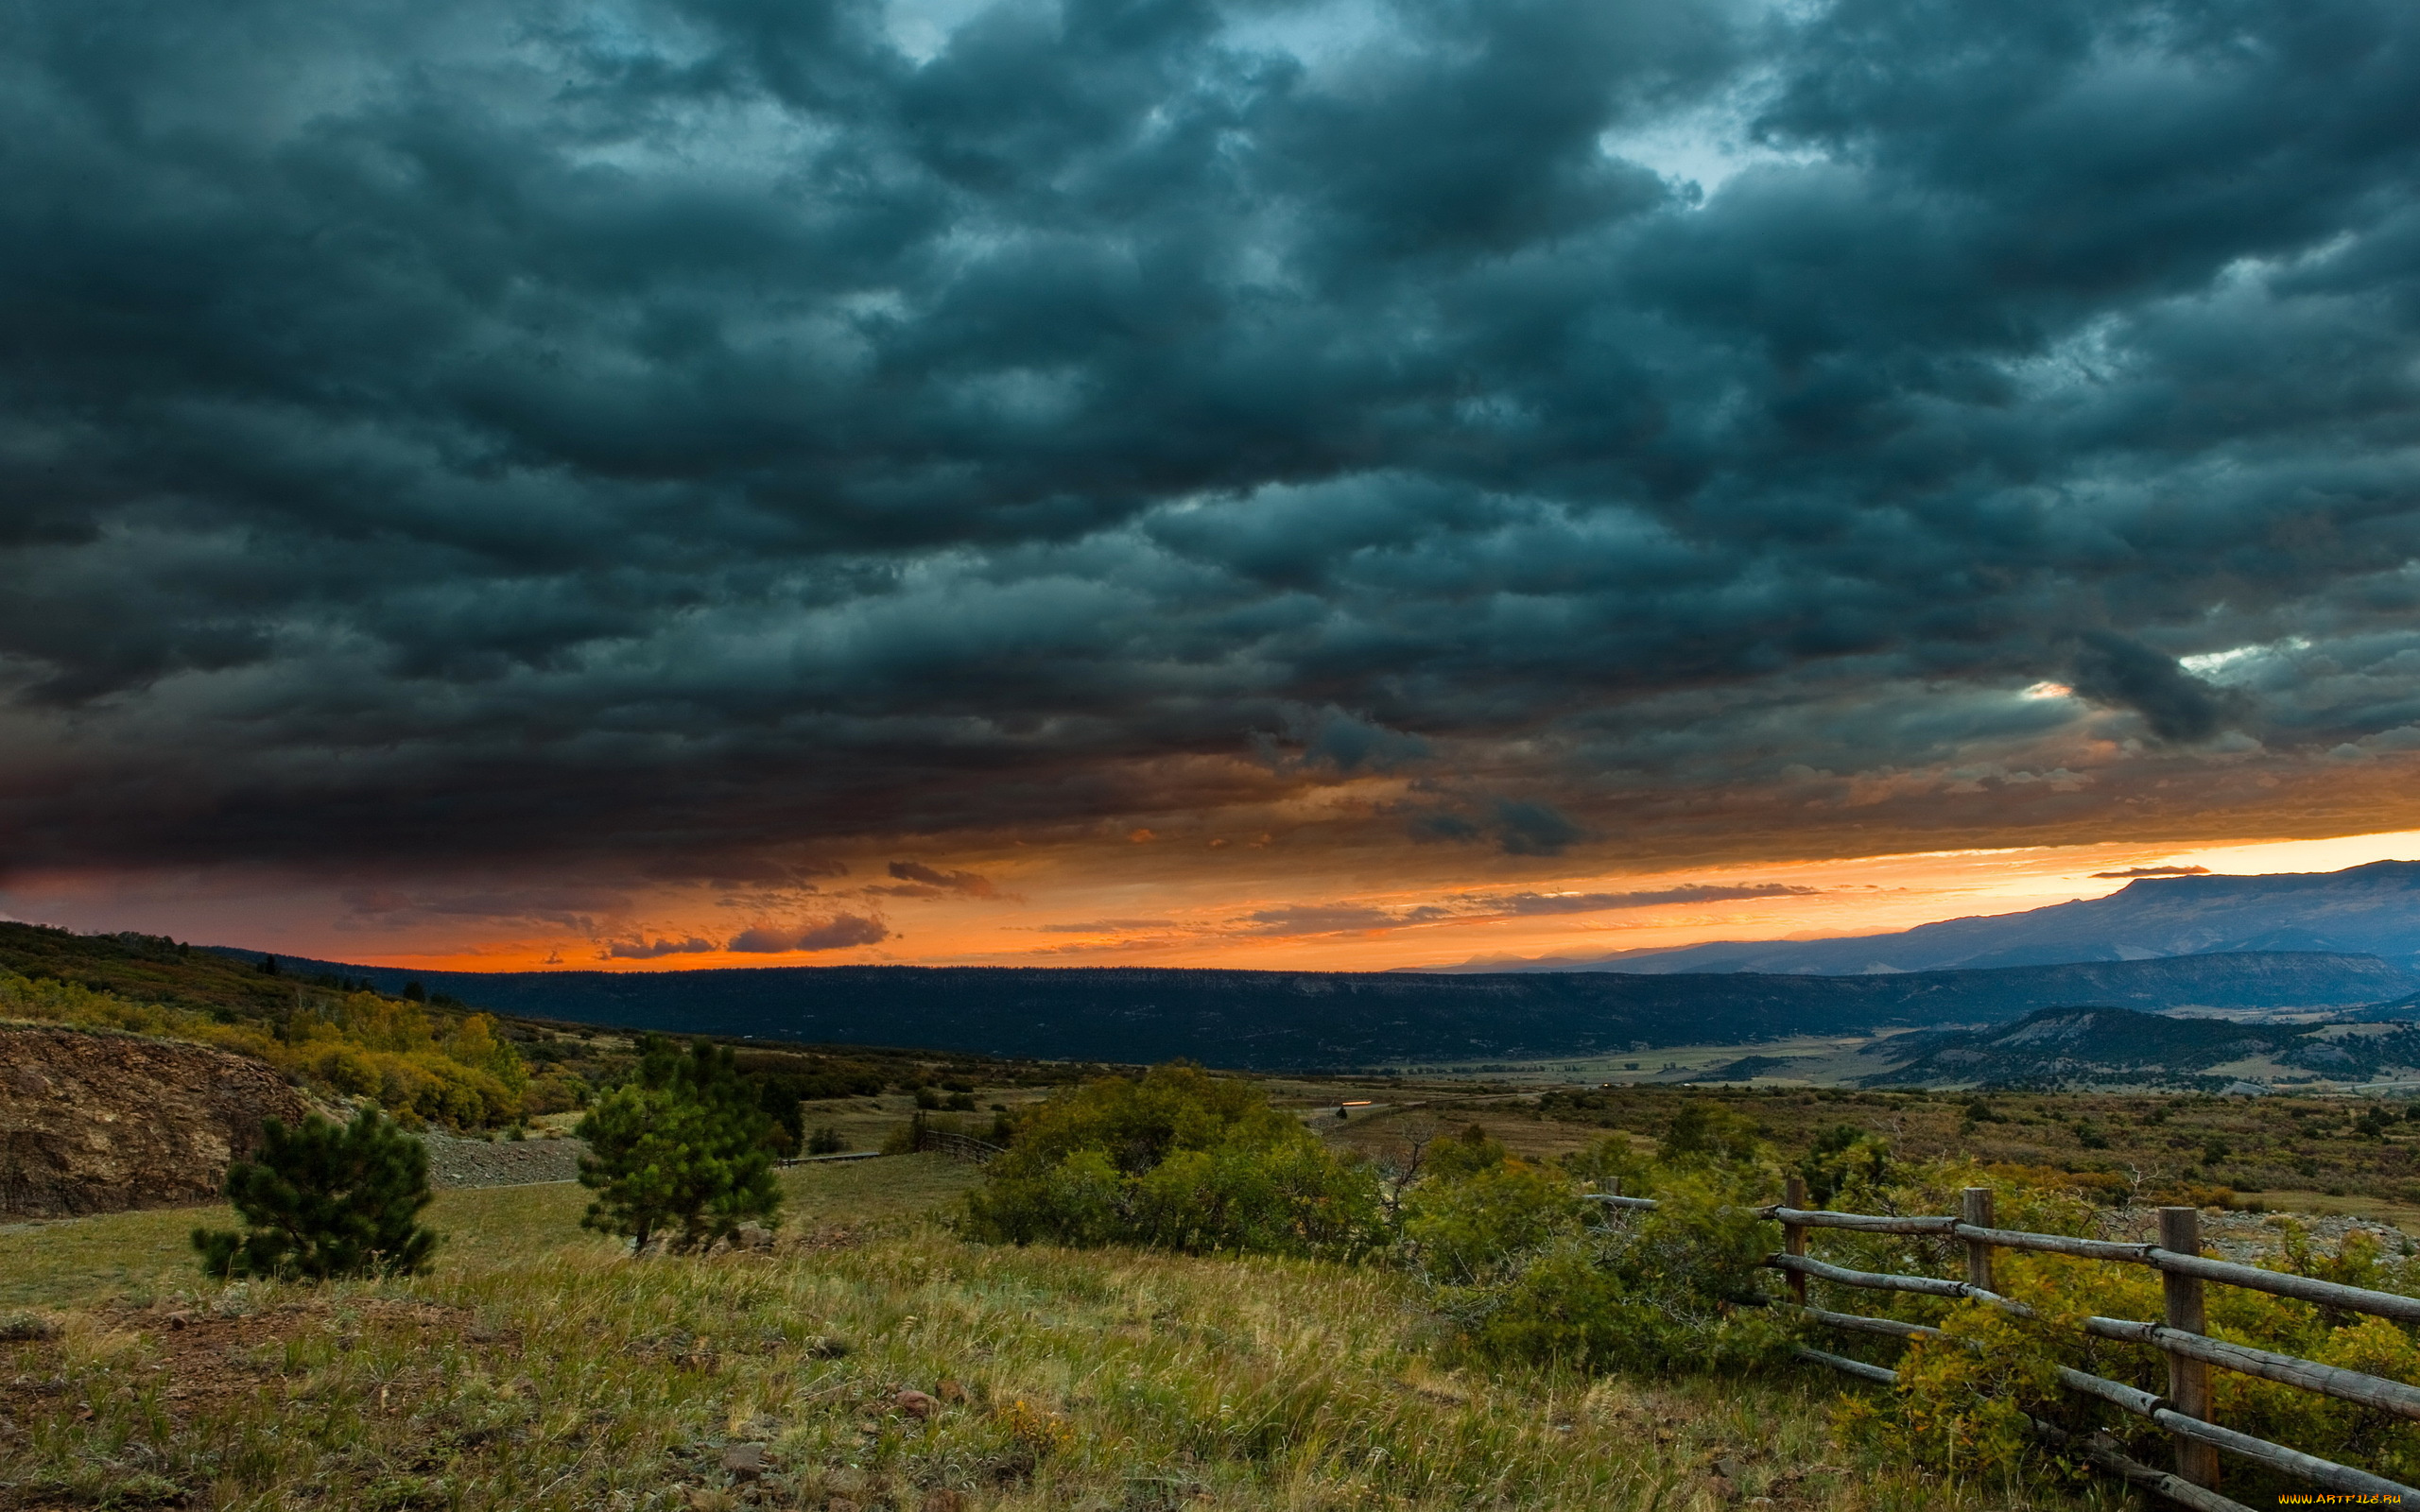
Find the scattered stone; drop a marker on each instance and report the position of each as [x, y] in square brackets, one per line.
[745, 1461]
[25, 1328]
[915, 1404]
[753, 1236]
[1731, 1470]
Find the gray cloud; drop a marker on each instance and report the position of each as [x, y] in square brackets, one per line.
[2156, 871]
[643, 948]
[1334, 919]
[1592, 902]
[838, 933]
[922, 881]
[1105, 926]
[688, 438]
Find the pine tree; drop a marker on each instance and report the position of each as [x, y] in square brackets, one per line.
[679, 1151]
[326, 1199]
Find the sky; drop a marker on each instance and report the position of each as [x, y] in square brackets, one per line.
[1357, 484]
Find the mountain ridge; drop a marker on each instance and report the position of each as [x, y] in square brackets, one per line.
[2098, 1045]
[2371, 909]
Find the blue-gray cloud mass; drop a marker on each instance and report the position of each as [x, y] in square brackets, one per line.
[443, 433]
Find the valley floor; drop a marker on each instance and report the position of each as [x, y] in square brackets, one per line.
[539, 1368]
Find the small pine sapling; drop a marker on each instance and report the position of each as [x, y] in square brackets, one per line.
[323, 1200]
[682, 1151]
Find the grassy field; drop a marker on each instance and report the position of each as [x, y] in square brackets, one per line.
[538, 1367]
[2307, 1153]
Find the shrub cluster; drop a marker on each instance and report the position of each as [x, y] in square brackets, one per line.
[1178, 1160]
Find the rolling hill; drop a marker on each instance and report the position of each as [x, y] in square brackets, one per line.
[2111, 1046]
[2369, 910]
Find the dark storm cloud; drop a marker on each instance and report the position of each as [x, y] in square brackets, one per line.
[688, 431]
[2113, 670]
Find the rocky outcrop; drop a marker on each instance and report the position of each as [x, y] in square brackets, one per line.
[94, 1122]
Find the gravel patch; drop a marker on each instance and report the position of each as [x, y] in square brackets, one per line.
[461, 1162]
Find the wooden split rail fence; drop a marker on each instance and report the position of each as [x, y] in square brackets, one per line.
[2180, 1336]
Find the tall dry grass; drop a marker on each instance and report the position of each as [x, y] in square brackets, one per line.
[538, 1369]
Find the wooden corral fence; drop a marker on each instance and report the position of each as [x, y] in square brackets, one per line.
[2181, 1334]
[956, 1147]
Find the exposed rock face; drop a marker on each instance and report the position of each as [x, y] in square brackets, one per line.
[93, 1122]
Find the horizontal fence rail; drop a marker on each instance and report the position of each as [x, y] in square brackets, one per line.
[2184, 1411]
[2251, 1277]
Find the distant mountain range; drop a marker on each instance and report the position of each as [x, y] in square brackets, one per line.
[2106, 1046]
[1307, 1020]
[2369, 910]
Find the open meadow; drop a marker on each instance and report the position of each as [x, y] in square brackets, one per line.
[539, 1367]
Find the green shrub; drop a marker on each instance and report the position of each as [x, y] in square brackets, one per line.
[680, 1151]
[1705, 1132]
[1473, 1152]
[1458, 1232]
[1178, 1160]
[1679, 1288]
[1841, 1157]
[825, 1139]
[1613, 1162]
[324, 1200]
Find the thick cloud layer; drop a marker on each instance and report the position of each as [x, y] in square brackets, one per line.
[714, 434]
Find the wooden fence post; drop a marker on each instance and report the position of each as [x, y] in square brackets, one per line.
[1974, 1210]
[1794, 1236]
[2188, 1380]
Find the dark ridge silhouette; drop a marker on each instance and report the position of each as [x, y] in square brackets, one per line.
[1310, 1020]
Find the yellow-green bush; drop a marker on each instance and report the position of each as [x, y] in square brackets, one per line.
[448, 1070]
[1961, 1404]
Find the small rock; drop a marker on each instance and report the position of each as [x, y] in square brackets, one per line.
[753, 1236]
[745, 1461]
[914, 1403]
[1730, 1470]
[178, 1320]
